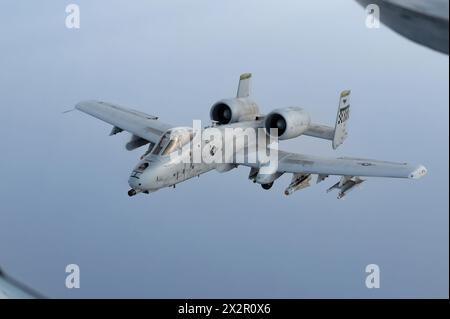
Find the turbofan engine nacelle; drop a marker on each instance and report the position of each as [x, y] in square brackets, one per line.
[290, 122]
[234, 110]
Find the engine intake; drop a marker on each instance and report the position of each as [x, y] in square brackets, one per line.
[290, 122]
[234, 110]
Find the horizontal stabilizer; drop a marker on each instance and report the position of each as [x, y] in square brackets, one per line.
[320, 131]
[339, 133]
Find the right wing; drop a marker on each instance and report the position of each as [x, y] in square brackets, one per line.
[145, 128]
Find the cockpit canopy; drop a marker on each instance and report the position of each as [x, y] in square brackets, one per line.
[173, 140]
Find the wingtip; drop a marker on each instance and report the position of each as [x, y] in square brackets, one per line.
[419, 172]
[68, 111]
[79, 105]
[83, 105]
[245, 76]
[345, 93]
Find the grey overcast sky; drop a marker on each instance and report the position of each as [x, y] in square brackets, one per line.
[64, 180]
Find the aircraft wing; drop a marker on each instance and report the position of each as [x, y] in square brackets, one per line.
[145, 128]
[12, 289]
[303, 167]
[344, 166]
[347, 166]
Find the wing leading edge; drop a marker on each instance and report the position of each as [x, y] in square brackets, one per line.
[141, 125]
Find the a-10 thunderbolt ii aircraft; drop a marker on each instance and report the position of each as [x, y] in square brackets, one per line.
[176, 154]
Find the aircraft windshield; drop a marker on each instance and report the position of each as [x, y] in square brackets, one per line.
[173, 141]
[164, 140]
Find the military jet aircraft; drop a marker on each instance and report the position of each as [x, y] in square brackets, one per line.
[170, 158]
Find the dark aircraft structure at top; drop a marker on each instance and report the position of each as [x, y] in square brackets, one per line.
[422, 21]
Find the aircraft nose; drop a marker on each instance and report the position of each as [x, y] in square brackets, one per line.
[146, 181]
[134, 182]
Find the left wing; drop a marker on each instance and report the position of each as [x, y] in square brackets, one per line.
[145, 128]
[304, 166]
[346, 166]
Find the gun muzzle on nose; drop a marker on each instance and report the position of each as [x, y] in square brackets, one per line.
[133, 192]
